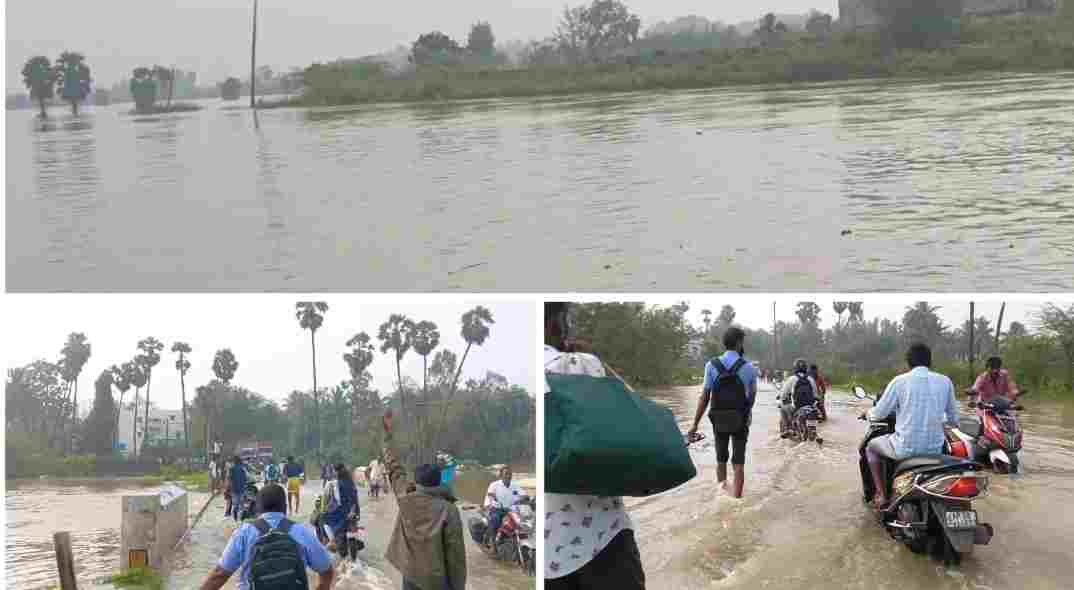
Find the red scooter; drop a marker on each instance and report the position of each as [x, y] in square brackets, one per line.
[992, 437]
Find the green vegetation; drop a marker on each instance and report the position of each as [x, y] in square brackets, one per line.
[653, 346]
[999, 44]
[69, 75]
[138, 579]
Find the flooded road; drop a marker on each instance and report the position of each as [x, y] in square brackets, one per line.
[91, 510]
[971, 179]
[801, 522]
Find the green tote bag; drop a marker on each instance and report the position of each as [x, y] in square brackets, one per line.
[602, 439]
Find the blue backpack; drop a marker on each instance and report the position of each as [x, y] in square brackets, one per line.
[272, 472]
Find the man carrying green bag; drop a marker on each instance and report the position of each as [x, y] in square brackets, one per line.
[589, 537]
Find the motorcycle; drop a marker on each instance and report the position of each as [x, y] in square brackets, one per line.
[803, 426]
[992, 437]
[514, 541]
[930, 509]
[349, 541]
[248, 509]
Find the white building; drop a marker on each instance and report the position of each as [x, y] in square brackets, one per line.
[163, 424]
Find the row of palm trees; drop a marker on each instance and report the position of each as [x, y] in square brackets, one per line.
[398, 335]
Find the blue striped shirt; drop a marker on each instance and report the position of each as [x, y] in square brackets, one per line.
[922, 402]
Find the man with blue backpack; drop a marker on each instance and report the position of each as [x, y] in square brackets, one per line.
[272, 552]
[729, 392]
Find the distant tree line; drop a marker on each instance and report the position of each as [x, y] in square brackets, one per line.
[69, 77]
[339, 422]
[657, 346]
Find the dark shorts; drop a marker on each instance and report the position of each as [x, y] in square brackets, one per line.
[617, 566]
[737, 443]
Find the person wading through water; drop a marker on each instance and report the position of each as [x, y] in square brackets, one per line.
[731, 389]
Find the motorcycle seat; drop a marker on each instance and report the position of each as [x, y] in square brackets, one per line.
[971, 426]
[937, 461]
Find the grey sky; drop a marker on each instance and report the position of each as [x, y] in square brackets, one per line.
[212, 37]
[272, 350]
[755, 312]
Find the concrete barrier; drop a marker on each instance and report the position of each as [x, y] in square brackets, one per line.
[152, 524]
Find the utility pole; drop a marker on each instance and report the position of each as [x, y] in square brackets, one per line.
[973, 373]
[253, 63]
[775, 358]
[999, 329]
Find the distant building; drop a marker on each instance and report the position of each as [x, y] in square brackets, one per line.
[866, 14]
[163, 425]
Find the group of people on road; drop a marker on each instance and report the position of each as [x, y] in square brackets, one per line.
[599, 530]
[426, 544]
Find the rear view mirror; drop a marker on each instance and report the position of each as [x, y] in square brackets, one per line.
[859, 392]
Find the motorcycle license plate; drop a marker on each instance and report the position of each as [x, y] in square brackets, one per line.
[961, 519]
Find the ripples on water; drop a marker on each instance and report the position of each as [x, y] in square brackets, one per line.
[90, 510]
[953, 186]
[802, 524]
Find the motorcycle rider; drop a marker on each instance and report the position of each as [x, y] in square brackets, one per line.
[924, 404]
[798, 391]
[342, 496]
[503, 494]
[995, 383]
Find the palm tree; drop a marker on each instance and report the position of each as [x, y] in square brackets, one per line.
[75, 354]
[149, 358]
[358, 361]
[121, 377]
[425, 338]
[40, 79]
[856, 311]
[183, 365]
[225, 365]
[138, 380]
[839, 307]
[475, 330]
[396, 334]
[73, 76]
[706, 318]
[310, 315]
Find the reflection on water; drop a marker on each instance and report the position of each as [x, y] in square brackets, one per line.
[745, 188]
[801, 522]
[90, 509]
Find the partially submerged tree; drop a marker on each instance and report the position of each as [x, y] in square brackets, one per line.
[40, 79]
[73, 78]
[143, 89]
[435, 48]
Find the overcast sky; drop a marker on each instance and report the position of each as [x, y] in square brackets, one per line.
[212, 37]
[755, 312]
[272, 350]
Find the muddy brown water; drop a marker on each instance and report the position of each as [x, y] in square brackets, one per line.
[952, 185]
[802, 524]
[90, 509]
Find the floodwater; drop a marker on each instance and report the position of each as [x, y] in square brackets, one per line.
[960, 185]
[801, 522]
[90, 509]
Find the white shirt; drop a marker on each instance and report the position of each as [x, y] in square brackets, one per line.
[375, 471]
[577, 527]
[506, 496]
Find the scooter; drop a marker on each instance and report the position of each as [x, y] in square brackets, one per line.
[513, 542]
[992, 437]
[931, 507]
[355, 535]
[803, 426]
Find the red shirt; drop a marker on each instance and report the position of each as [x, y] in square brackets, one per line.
[1002, 386]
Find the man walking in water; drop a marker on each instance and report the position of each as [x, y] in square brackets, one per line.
[731, 386]
[589, 540]
[923, 403]
[293, 473]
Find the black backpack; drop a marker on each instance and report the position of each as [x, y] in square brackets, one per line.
[729, 404]
[277, 560]
[803, 392]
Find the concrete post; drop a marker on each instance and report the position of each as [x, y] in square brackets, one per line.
[154, 524]
[65, 560]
